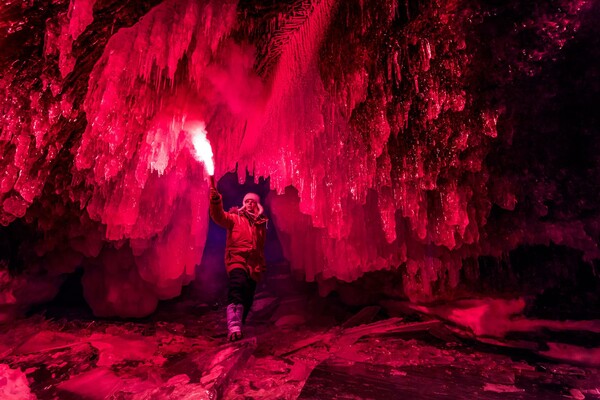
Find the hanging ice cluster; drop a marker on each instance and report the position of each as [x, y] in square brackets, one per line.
[382, 126]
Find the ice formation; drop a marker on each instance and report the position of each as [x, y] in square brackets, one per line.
[395, 136]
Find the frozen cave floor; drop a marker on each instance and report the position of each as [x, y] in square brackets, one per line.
[296, 345]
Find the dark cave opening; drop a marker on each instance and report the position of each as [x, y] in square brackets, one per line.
[69, 301]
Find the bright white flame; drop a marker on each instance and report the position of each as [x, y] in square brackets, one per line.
[202, 147]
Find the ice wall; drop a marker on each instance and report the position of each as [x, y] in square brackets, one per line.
[397, 136]
[403, 132]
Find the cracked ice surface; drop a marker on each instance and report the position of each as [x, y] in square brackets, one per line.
[182, 352]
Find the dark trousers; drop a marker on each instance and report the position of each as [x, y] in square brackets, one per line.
[241, 290]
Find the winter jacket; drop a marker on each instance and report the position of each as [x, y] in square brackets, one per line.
[246, 234]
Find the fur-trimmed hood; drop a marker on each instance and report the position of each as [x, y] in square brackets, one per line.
[255, 219]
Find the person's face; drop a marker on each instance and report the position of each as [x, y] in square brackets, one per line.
[251, 205]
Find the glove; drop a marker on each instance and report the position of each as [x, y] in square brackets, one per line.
[214, 194]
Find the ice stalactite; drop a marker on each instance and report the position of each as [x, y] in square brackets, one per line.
[136, 145]
[392, 108]
[63, 30]
[150, 81]
[356, 112]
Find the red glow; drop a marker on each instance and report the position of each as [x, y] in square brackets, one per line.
[435, 163]
[391, 136]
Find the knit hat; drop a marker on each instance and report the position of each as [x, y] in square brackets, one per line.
[254, 197]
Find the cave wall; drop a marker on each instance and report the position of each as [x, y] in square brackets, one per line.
[404, 136]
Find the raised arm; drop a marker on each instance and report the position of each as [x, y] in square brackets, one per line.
[217, 213]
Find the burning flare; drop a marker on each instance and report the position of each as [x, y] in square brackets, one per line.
[203, 151]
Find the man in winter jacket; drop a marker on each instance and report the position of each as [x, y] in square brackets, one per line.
[244, 254]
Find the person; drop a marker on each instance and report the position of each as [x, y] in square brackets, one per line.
[244, 255]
